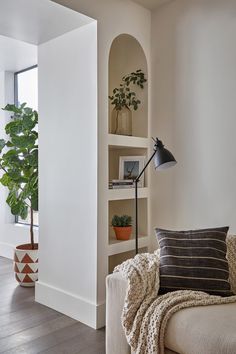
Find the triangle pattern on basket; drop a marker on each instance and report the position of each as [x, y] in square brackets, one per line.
[16, 269]
[28, 268]
[26, 278]
[27, 259]
[33, 256]
[20, 277]
[16, 258]
[19, 255]
[26, 256]
[19, 266]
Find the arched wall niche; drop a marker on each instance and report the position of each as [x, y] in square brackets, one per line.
[127, 55]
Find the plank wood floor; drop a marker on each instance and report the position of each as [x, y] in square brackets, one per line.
[28, 327]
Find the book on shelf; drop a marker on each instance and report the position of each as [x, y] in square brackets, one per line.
[122, 187]
[121, 183]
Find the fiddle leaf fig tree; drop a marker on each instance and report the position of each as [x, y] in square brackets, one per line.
[19, 162]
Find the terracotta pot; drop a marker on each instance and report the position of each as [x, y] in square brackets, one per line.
[123, 233]
[26, 265]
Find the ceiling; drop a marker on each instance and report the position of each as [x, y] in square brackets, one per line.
[37, 21]
[151, 4]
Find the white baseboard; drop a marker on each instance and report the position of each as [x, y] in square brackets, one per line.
[70, 305]
[7, 250]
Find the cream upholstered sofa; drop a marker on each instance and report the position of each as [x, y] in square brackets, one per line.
[197, 330]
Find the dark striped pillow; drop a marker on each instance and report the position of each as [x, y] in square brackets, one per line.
[194, 260]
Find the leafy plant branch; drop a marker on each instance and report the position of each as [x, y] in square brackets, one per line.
[124, 96]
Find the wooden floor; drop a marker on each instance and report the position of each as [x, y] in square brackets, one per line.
[28, 327]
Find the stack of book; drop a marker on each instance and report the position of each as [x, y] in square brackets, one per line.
[121, 183]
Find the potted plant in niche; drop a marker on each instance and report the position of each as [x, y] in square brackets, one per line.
[19, 166]
[122, 226]
[124, 99]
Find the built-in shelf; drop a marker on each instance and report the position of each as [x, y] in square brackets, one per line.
[116, 246]
[122, 141]
[126, 193]
[126, 55]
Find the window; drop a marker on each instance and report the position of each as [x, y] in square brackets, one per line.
[26, 87]
[26, 90]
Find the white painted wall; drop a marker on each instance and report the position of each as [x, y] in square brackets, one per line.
[114, 17]
[14, 56]
[68, 173]
[194, 112]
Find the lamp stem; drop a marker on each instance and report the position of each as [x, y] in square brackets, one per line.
[136, 216]
[136, 200]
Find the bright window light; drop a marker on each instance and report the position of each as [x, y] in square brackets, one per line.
[27, 87]
[26, 91]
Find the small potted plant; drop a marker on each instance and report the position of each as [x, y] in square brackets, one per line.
[19, 166]
[122, 226]
[124, 99]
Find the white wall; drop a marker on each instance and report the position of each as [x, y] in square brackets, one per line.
[16, 55]
[68, 173]
[194, 112]
[114, 17]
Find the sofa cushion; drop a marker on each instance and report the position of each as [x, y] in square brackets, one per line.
[203, 330]
[231, 256]
[195, 260]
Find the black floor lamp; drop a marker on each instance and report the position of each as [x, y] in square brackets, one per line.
[162, 159]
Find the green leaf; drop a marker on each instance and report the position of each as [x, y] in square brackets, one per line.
[34, 182]
[12, 108]
[14, 128]
[9, 144]
[28, 122]
[5, 180]
[12, 198]
[23, 105]
[15, 209]
[10, 153]
[28, 110]
[23, 211]
[2, 144]
[33, 158]
[23, 141]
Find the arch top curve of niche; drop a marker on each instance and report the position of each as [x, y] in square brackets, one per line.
[127, 55]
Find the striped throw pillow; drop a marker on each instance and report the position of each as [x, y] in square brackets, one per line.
[194, 260]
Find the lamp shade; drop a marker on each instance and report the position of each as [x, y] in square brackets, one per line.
[163, 158]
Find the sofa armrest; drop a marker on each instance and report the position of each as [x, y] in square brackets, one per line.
[116, 342]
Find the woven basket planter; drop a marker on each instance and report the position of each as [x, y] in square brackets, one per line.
[26, 265]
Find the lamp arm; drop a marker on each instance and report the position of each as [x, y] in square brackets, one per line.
[141, 173]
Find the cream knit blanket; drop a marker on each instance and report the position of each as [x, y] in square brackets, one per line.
[145, 314]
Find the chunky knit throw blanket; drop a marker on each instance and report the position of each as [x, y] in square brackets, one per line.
[145, 314]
